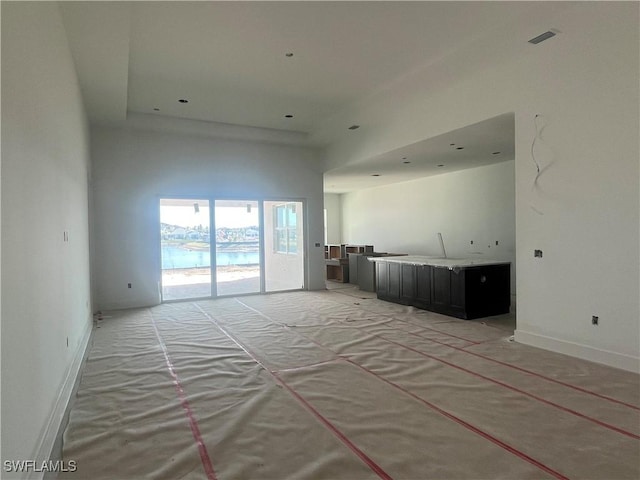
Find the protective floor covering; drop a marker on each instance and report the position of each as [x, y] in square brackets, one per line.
[328, 385]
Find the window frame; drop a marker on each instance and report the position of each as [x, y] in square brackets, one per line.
[283, 231]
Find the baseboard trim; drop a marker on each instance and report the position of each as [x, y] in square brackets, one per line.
[53, 430]
[585, 352]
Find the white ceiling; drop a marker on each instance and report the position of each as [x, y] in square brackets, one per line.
[228, 59]
[484, 143]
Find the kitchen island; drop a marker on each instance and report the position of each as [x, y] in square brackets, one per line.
[459, 287]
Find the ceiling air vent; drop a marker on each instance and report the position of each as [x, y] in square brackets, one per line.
[542, 37]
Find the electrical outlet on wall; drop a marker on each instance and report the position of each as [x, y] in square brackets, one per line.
[594, 320]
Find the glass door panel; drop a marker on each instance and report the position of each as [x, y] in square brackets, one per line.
[237, 254]
[185, 248]
[283, 245]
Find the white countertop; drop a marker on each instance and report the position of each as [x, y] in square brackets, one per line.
[449, 263]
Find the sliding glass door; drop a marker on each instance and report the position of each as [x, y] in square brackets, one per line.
[237, 242]
[253, 246]
[185, 248]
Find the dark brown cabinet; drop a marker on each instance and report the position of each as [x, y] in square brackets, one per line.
[394, 281]
[466, 292]
[423, 286]
[388, 281]
[407, 284]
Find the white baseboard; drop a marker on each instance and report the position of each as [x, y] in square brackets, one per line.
[585, 352]
[48, 438]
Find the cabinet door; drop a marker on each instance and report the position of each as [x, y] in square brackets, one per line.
[394, 281]
[448, 292]
[423, 286]
[408, 284]
[441, 287]
[382, 279]
[457, 283]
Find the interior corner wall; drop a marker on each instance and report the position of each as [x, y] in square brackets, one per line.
[133, 168]
[332, 205]
[475, 205]
[584, 84]
[46, 305]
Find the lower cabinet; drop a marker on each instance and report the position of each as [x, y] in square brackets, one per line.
[388, 281]
[423, 286]
[468, 292]
[449, 292]
[407, 283]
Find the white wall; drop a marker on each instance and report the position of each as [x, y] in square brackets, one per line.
[45, 280]
[133, 168]
[585, 84]
[470, 205]
[332, 204]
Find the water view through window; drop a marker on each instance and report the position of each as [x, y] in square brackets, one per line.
[230, 258]
[185, 248]
[186, 251]
[237, 247]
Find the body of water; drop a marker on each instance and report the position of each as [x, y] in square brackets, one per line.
[178, 257]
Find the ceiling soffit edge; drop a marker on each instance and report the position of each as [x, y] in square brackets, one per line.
[199, 128]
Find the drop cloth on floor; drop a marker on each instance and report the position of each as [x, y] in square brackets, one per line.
[323, 385]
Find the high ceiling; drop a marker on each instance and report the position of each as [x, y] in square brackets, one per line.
[254, 63]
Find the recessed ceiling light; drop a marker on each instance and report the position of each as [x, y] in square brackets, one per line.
[288, 54]
[288, 115]
[354, 127]
[459, 148]
[495, 153]
[183, 100]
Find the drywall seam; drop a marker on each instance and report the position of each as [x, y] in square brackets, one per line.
[48, 438]
[606, 357]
